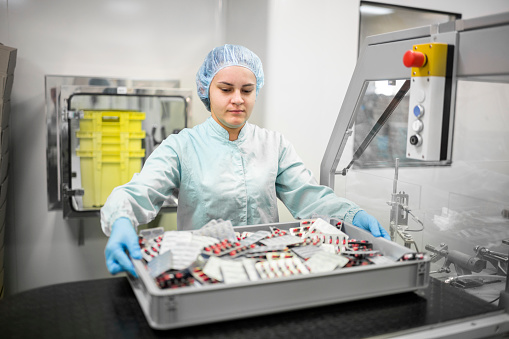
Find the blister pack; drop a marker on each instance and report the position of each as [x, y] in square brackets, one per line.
[280, 268]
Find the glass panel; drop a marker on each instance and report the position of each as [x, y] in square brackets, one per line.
[390, 141]
[470, 209]
[114, 136]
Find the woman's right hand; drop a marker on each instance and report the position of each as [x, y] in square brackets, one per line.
[123, 237]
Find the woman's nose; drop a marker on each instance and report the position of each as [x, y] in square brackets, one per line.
[237, 98]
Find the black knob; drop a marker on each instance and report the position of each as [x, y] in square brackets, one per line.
[415, 140]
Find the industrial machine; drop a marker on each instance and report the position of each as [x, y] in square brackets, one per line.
[432, 101]
[100, 131]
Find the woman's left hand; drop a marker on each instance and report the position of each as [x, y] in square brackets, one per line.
[366, 221]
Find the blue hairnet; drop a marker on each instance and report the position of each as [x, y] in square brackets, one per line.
[222, 57]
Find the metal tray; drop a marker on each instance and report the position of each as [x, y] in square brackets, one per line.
[186, 306]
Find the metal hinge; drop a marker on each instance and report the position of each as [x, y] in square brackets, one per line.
[71, 193]
[68, 114]
[79, 114]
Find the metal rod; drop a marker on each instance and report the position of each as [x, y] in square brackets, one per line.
[395, 182]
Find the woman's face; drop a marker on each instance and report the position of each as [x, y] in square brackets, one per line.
[232, 95]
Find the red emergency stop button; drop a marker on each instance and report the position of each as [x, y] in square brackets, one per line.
[414, 59]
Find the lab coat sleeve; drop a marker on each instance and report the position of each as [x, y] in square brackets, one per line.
[302, 195]
[141, 199]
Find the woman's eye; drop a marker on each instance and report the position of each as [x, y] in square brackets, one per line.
[225, 89]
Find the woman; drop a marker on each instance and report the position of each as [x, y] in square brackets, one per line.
[224, 168]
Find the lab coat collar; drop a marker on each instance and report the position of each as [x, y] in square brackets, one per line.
[223, 134]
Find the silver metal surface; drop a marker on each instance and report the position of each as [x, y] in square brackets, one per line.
[494, 325]
[500, 19]
[412, 33]
[483, 54]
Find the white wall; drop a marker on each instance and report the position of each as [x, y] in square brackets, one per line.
[309, 51]
[312, 51]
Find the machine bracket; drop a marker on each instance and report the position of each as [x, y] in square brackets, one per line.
[71, 193]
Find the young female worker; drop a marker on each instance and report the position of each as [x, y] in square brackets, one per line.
[224, 168]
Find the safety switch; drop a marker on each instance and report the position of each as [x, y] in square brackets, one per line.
[430, 99]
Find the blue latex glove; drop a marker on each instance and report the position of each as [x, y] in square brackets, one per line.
[366, 221]
[123, 237]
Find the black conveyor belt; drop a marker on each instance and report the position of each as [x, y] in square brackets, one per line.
[107, 308]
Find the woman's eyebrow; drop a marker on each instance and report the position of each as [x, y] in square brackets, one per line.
[228, 84]
[224, 83]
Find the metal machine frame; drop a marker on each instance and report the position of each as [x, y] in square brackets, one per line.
[59, 91]
[481, 46]
[476, 58]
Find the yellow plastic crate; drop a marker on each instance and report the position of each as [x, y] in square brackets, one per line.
[111, 121]
[110, 141]
[102, 171]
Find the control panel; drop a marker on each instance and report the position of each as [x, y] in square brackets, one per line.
[429, 110]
